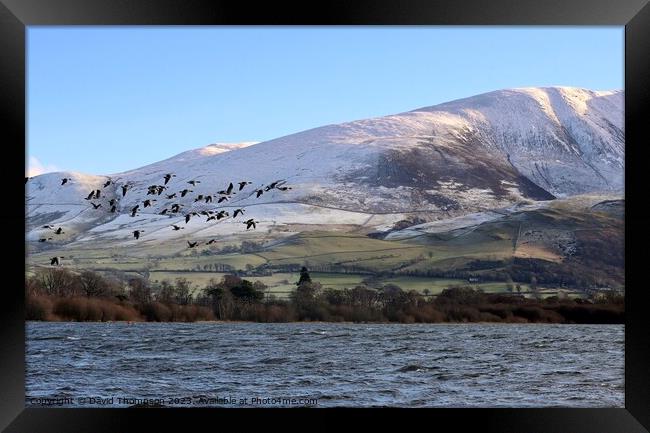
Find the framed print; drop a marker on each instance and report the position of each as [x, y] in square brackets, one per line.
[379, 209]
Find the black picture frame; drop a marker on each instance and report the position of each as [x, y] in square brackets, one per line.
[16, 15]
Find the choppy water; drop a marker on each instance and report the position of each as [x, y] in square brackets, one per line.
[454, 365]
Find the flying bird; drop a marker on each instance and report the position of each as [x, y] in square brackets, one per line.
[108, 182]
[208, 199]
[59, 231]
[229, 190]
[49, 226]
[250, 223]
[168, 176]
[97, 193]
[111, 202]
[176, 228]
[113, 208]
[283, 188]
[192, 244]
[134, 210]
[243, 184]
[210, 218]
[44, 239]
[198, 198]
[54, 261]
[211, 241]
[90, 196]
[170, 196]
[147, 203]
[259, 193]
[224, 198]
[176, 207]
[65, 180]
[96, 206]
[238, 211]
[163, 212]
[136, 233]
[124, 189]
[194, 182]
[185, 191]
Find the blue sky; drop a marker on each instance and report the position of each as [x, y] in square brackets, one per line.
[108, 99]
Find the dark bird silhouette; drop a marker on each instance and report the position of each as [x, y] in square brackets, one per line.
[49, 226]
[176, 207]
[211, 241]
[136, 233]
[161, 189]
[224, 198]
[96, 206]
[283, 188]
[210, 218]
[44, 239]
[168, 176]
[272, 185]
[65, 180]
[208, 199]
[163, 212]
[259, 193]
[250, 223]
[194, 182]
[222, 214]
[147, 203]
[223, 192]
[170, 196]
[243, 184]
[59, 231]
[185, 191]
[54, 261]
[134, 210]
[113, 208]
[198, 198]
[192, 244]
[238, 211]
[176, 228]
[90, 196]
[125, 188]
[108, 182]
[187, 217]
[97, 193]
[229, 190]
[111, 202]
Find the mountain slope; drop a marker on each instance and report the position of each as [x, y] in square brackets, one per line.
[479, 153]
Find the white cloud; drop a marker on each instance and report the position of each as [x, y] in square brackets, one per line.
[36, 167]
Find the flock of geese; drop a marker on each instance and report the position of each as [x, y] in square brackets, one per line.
[156, 190]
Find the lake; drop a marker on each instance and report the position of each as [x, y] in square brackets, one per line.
[324, 364]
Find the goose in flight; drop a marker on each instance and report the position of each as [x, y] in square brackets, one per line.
[170, 196]
[238, 211]
[65, 180]
[211, 241]
[111, 202]
[59, 231]
[185, 191]
[194, 182]
[177, 228]
[136, 233]
[243, 184]
[192, 244]
[54, 261]
[259, 193]
[224, 198]
[96, 206]
[90, 196]
[147, 203]
[113, 208]
[250, 223]
[124, 189]
[108, 182]
[229, 190]
[168, 177]
[44, 239]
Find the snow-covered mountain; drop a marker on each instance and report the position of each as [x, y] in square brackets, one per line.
[483, 152]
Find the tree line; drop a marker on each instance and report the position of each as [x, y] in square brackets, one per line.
[61, 294]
